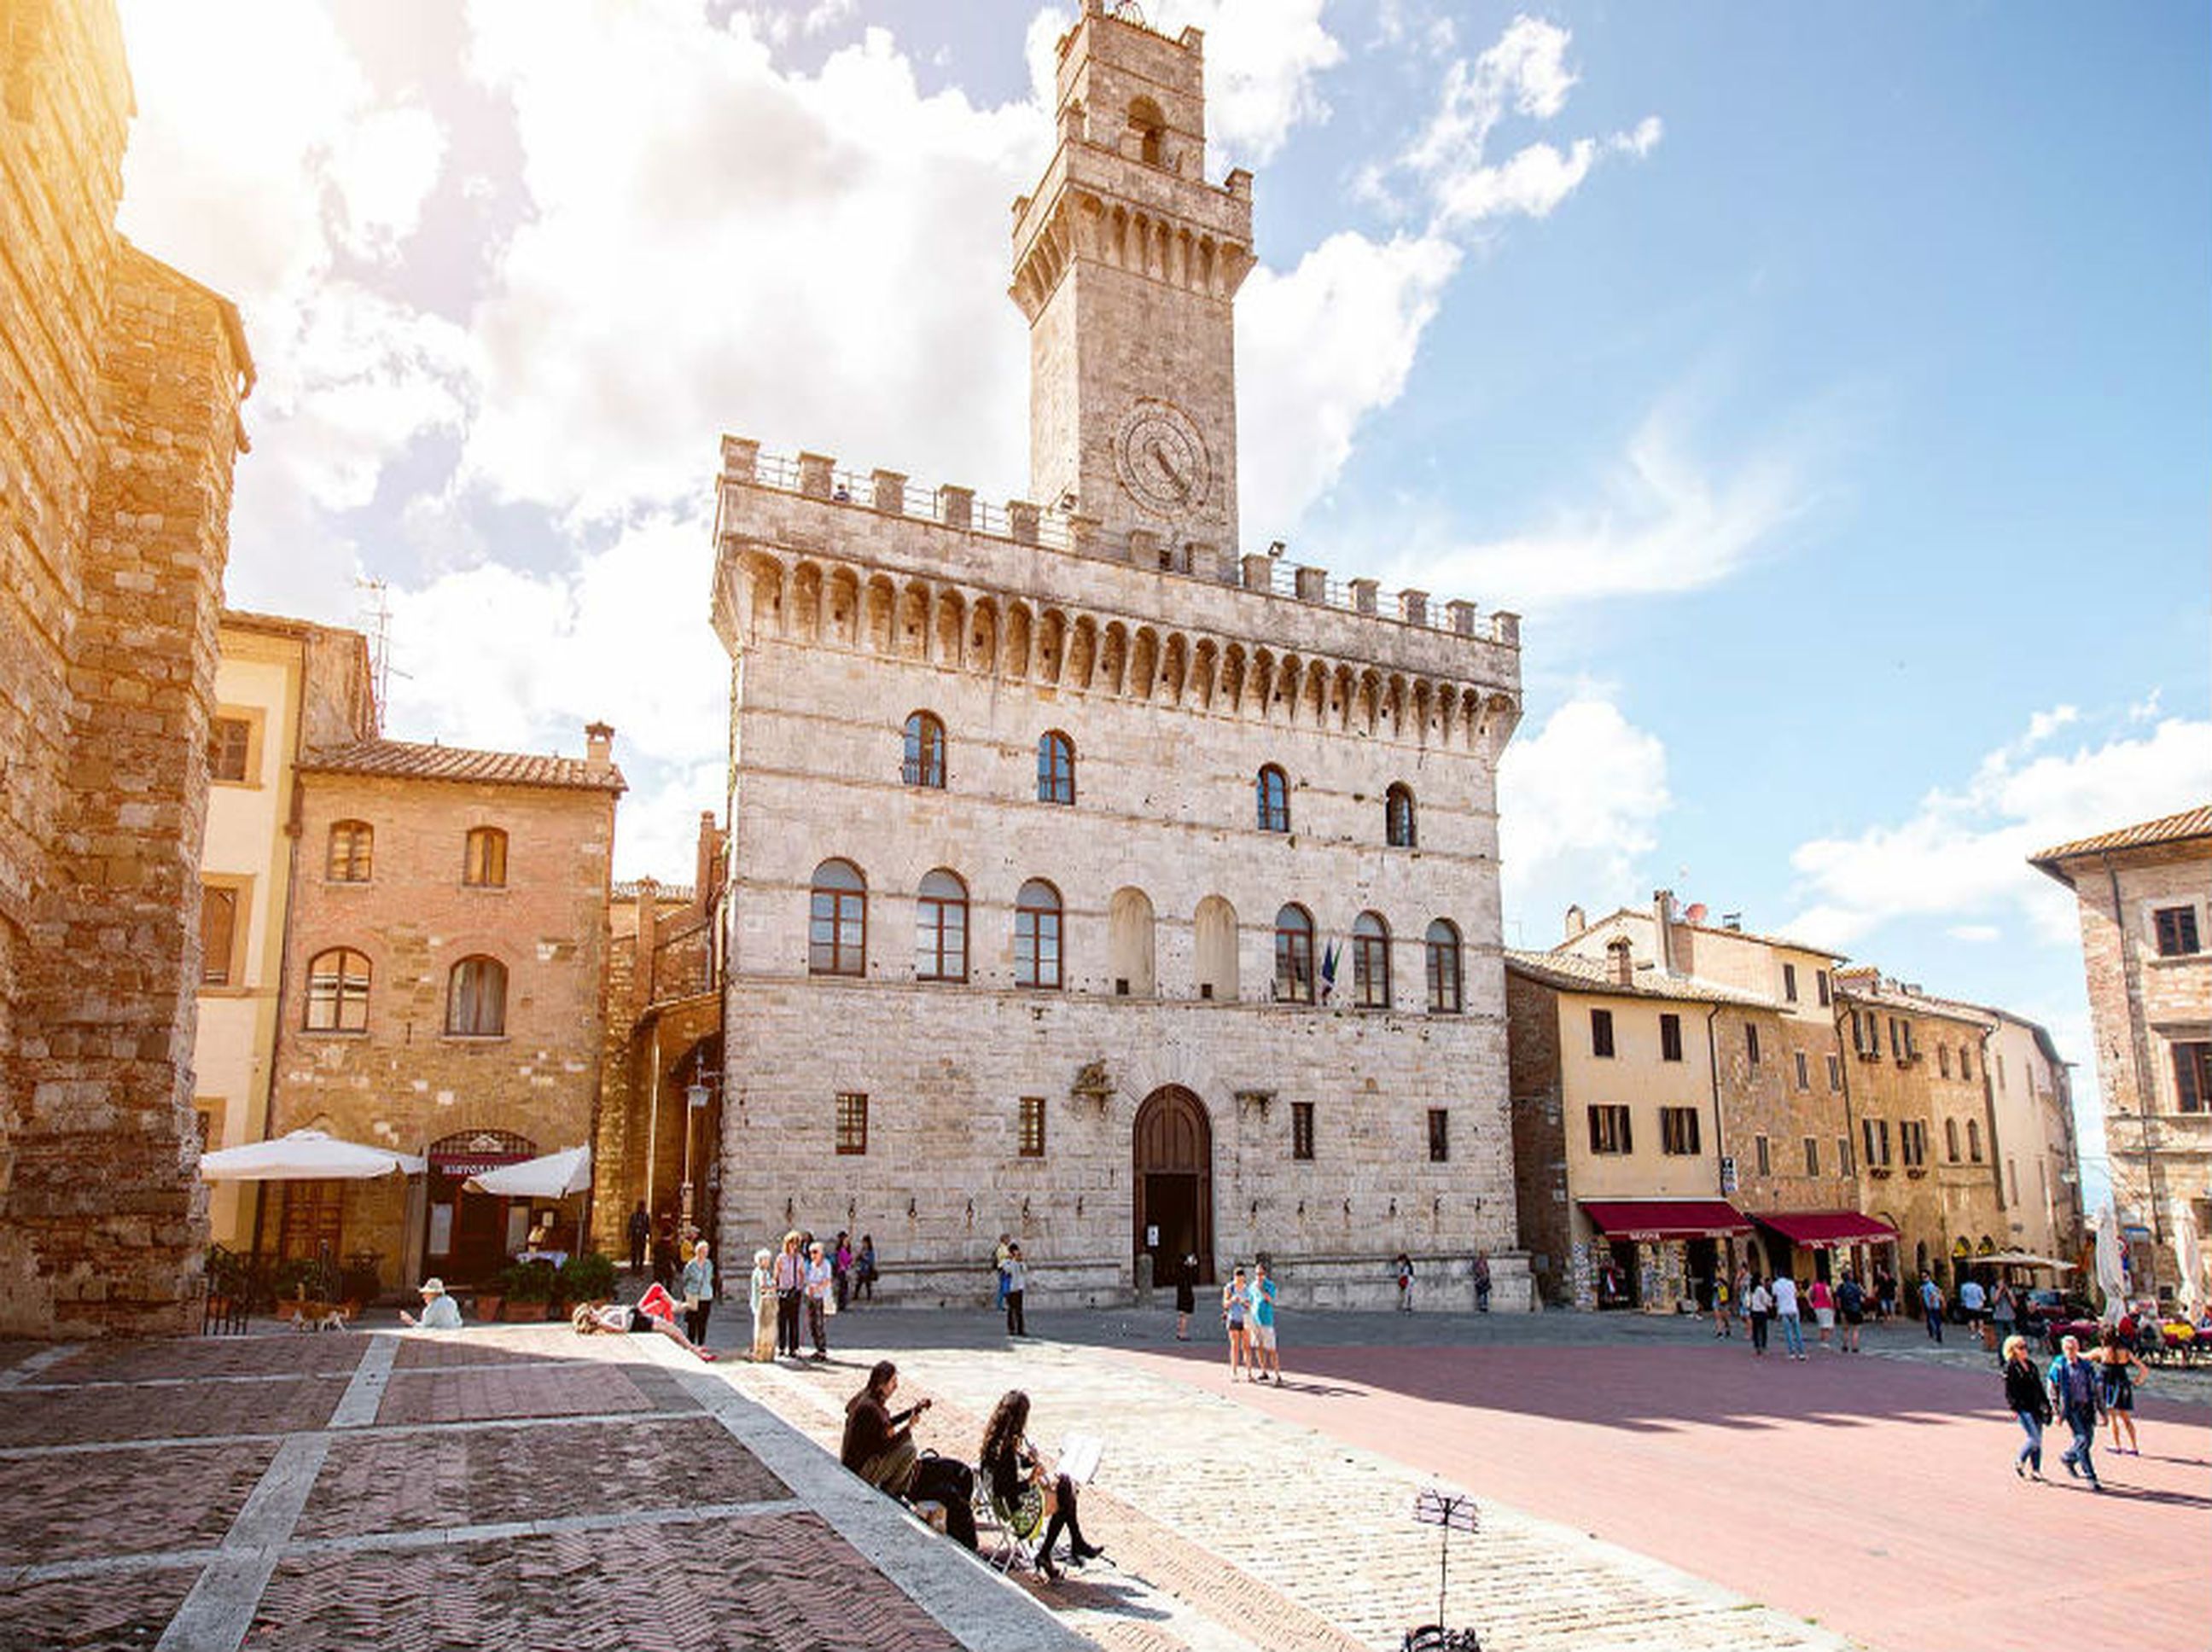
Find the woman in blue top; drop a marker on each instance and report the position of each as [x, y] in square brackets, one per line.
[698, 1292]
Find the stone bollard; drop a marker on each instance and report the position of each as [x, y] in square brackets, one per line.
[1144, 1279]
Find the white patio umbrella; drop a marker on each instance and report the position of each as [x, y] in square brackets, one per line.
[2111, 1276]
[306, 1155]
[2189, 1253]
[553, 1175]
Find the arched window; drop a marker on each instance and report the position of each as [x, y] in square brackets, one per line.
[1036, 935]
[1398, 817]
[1147, 126]
[1273, 795]
[338, 991]
[475, 999]
[1951, 1139]
[1444, 967]
[925, 751]
[1974, 1140]
[940, 928]
[1371, 961]
[1214, 941]
[352, 842]
[483, 865]
[1129, 943]
[837, 920]
[1056, 768]
[1294, 956]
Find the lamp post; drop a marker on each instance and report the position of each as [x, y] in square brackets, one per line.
[694, 1100]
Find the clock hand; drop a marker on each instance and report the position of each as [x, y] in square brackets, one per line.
[1167, 468]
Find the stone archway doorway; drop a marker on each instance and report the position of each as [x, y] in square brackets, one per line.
[1171, 1183]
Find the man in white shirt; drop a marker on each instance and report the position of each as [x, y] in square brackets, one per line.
[440, 1311]
[1973, 1306]
[1785, 1310]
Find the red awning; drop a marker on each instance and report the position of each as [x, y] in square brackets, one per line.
[1665, 1218]
[1826, 1229]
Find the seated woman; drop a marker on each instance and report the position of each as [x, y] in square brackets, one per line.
[593, 1317]
[1021, 1493]
[878, 1446]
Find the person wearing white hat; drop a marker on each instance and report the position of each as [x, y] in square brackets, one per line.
[440, 1311]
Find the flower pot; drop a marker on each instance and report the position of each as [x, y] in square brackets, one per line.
[522, 1313]
[487, 1304]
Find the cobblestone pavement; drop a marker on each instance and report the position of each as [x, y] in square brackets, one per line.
[501, 1487]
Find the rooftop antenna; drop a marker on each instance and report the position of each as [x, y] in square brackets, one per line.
[378, 622]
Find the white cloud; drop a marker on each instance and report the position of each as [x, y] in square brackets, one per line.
[383, 167]
[1264, 61]
[1664, 522]
[1577, 803]
[1318, 350]
[1962, 854]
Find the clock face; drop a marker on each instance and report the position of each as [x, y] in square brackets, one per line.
[1162, 459]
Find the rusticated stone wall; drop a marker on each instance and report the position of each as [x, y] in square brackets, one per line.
[119, 430]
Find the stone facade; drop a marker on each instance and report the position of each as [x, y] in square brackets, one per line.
[2040, 1161]
[413, 1057]
[119, 430]
[1152, 1078]
[2150, 1005]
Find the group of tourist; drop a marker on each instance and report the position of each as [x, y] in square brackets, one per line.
[807, 1280]
[1838, 1311]
[2078, 1389]
[1248, 1314]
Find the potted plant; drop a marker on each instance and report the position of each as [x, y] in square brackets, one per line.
[587, 1278]
[528, 1288]
[486, 1304]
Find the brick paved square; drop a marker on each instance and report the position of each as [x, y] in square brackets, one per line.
[288, 1355]
[36, 1416]
[93, 1614]
[431, 1353]
[783, 1584]
[556, 1389]
[111, 1502]
[407, 1483]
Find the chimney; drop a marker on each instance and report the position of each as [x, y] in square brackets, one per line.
[1622, 959]
[1662, 921]
[598, 747]
[1575, 922]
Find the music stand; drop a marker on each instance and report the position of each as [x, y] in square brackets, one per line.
[1454, 1512]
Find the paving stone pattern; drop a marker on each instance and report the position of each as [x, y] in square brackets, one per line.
[99, 1503]
[554, 1389]
[79, 1414]
[91, 1614]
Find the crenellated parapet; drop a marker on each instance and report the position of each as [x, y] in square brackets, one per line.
[824, 558]
[1088, 206]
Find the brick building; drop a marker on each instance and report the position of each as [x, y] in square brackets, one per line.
[444, 991]
[1088, 881]
[2146, 898]
[120, 395]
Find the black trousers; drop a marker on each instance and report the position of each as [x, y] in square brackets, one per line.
[694, 1322]
[786, 1322]
[637, 1254]
[1759, 1332]
[1016, 1325]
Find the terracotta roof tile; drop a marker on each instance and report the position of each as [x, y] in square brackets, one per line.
[1783, 941]
[411, 760]
[1570, 973]
[2168, 829]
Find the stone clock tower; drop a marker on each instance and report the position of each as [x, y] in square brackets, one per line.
[1126, 263]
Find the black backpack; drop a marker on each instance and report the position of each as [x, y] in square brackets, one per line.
[948, 1481]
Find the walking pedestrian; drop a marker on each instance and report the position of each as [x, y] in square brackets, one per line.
[1824, 1313]
[1760, 1305]
[2027, 1400]
[864, 1270]
[1851, 1304]
[2076, 1396]
[2117, 1365]
[1884, 1295]
[1186, 1296]
[1262, 1331]
[1482, 1282]
[2004, 1310]
[1403, 1268]
[1722, 1327]
[1931, 1306]
[821, 1284]
[790, 1293]
[1016, 1273]
[698, 1292]
[1972, 1310]
[761, 1298]
[841, 1266]
[1234, 1305]
[1785, 1311]
[998, 1270]
[641, 1230]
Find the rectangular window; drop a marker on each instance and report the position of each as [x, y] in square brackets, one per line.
[1943, 1060]
[230, 745]
[218, 934]
[1804, 1070]
[1912, 1142]
[1670, 1038]
[1439, 1135]
[2177, 930]
[1032, 1127]
[1965, 1065]
[851, 1121]
[1750, 1042]
[1951, 1139]
[1301, 1134]
[1835, 1074]
[1843, 1156]
[1609, 1130]
[1764, 1155]
[1790, 982]
[1678, 1130]
[1821, 987]
[1896, 1040]
[1602, 1032]
[1974, 1140]
[1876, 1132]
[2192, 1078]
[1812, 1155]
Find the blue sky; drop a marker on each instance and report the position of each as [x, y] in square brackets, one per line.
[1827, 387]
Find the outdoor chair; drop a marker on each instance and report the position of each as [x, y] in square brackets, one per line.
[1008, 1548]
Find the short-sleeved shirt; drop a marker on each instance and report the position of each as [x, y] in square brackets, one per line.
[1970, 1296]
[1786, 1297]
[1930, 1297]
[440, 1313]
[1233, 1304]
[1263, 1301]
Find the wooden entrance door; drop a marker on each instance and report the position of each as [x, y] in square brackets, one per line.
[1171, 1184]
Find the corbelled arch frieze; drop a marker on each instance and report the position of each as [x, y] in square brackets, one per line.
[820, 601]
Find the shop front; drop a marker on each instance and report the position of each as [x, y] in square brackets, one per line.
[1658, 1254]
[1823, 1244]
[470, 1236]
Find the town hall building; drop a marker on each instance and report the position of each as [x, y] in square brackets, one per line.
[1089, 881]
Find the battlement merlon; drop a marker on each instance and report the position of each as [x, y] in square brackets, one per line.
[881, 528]
[1089, 205]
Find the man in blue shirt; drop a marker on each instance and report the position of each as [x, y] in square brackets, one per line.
[1262, 1331]
[2075, 1396]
